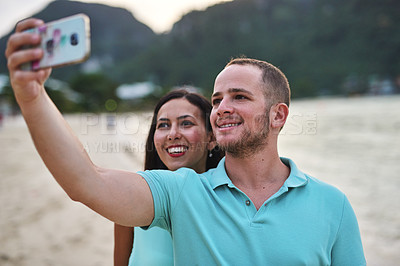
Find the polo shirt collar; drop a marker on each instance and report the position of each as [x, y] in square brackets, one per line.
[219, 176]
[296, 177]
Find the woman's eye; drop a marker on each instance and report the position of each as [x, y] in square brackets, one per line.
[162, 125]
[187, 123]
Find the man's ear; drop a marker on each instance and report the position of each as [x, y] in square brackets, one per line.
[278, 115]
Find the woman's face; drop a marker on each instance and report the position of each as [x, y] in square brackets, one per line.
[181, 138]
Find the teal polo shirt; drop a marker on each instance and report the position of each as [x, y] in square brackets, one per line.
[212, 222]
[152, 247]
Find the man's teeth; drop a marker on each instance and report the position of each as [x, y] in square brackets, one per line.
[229, 125]
[177, 150]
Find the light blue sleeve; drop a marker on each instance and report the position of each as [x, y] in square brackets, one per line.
[348, 249]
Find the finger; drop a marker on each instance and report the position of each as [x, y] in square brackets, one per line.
[17, 40]
[27, 24]
[43, 74]
[22, 77]
[23, 56]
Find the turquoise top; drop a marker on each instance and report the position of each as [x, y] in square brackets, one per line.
[306, 222]
[152, 247]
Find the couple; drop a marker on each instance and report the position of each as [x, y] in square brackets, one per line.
[254, 208]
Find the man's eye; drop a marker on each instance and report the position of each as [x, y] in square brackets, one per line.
[240, 97]
[216, 101]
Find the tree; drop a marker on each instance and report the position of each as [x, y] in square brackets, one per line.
[96, 89]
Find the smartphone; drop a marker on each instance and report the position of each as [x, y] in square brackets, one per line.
[65, 41]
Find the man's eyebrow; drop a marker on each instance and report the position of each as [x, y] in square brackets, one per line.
[215, 94]
[233, 90]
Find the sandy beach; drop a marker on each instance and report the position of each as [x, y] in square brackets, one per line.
[353, 144]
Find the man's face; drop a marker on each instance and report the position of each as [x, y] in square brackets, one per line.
[239, 115]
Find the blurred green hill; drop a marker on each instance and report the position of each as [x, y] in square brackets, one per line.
[324, 47]
[115, 35]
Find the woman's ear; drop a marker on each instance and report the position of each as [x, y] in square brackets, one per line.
[278, 115]
[212, 142]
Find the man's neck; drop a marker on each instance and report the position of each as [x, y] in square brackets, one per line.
[259, 176]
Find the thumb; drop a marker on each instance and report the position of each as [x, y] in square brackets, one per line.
[43, 75]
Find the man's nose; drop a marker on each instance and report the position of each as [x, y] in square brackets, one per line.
[225, 107]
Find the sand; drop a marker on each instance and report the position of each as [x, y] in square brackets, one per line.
[353, 144]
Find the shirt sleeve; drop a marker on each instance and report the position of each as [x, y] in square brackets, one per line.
[348, 249]
[165, 188]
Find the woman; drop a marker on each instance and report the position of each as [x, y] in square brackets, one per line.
[180, 136]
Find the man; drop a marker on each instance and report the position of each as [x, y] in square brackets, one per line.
[255, 208]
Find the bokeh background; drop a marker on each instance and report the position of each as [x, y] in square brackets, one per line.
[342, 59]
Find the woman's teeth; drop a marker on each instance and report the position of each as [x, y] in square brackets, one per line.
[176, 149]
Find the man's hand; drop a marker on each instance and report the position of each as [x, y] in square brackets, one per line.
[27, 85]
[120, 196]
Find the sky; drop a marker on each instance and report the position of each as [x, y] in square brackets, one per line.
[150, 12]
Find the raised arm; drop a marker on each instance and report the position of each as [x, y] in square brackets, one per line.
[120, 196]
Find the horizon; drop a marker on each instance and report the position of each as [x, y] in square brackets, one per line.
[151, 13]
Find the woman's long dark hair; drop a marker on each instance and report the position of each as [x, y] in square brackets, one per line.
[152, 160]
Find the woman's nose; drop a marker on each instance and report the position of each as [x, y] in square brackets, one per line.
[174, 133]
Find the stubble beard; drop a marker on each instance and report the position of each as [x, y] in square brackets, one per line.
[249, 142]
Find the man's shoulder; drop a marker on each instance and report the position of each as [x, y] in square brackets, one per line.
[324, 187]
[314, 184]
[325, 194]
[180, 175]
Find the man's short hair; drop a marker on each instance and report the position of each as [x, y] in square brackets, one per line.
[277, 88]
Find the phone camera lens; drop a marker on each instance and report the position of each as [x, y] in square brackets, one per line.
[50, 46]
[74, 39]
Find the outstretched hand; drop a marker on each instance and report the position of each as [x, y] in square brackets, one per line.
[27, 85]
